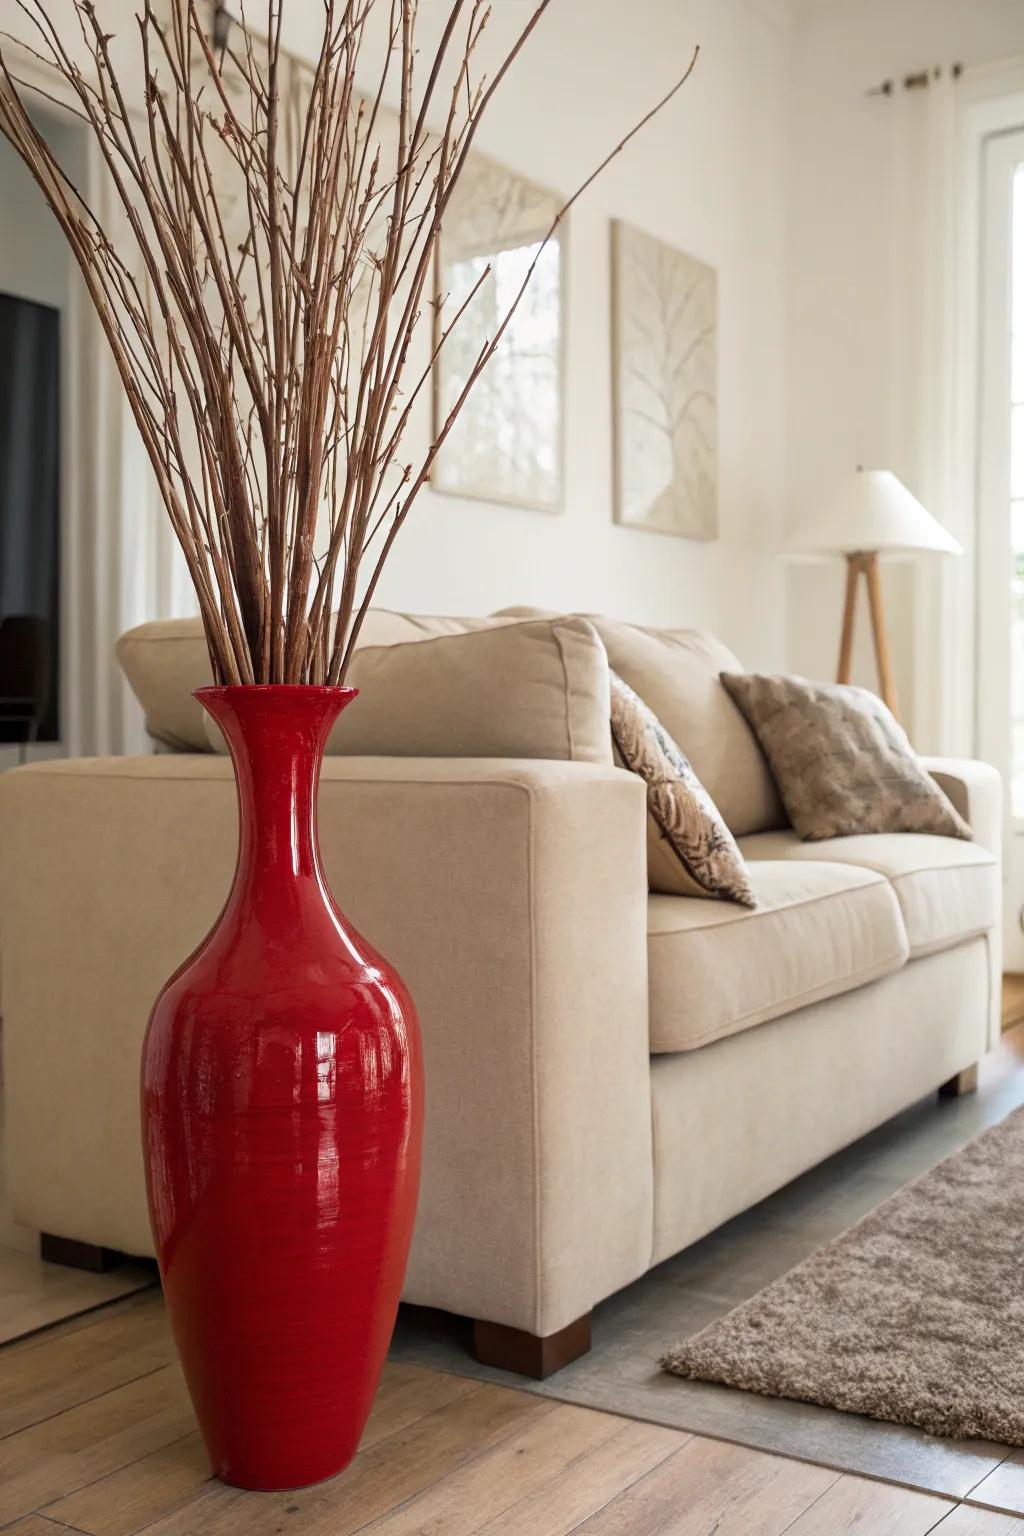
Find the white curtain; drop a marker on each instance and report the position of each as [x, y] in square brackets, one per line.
[938, 135]
[926, 209]
[119, 530]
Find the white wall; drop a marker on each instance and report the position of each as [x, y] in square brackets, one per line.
[854, 334]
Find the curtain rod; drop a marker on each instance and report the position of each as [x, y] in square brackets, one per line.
[917, 80]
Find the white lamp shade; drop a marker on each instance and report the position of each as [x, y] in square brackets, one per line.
[872, 511]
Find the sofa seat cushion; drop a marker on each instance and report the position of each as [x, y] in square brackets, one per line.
[948, 890]
[818, 930]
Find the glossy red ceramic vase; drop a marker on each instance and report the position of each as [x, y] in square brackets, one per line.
[281, 1116]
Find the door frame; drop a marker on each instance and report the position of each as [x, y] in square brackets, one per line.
[1001, 154]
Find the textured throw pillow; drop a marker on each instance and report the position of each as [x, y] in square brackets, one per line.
[842, 763]
[690, 850]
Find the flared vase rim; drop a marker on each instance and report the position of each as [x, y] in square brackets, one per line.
[293, 690]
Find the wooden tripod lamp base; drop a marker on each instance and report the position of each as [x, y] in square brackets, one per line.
[865, 563]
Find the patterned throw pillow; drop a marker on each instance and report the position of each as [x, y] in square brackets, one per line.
[842, 762]
[690, 850]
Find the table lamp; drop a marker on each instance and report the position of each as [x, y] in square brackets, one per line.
[871, 516]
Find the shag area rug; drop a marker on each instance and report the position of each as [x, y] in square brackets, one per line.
[915, 1315]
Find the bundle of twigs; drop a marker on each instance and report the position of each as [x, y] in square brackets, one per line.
[267, 373]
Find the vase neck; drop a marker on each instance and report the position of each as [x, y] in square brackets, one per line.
[276, 735]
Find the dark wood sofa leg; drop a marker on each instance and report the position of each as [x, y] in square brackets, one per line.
[69, 1251]
[512, 1349]
[964, 1082]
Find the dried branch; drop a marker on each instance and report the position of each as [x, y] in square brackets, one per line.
[260, 283]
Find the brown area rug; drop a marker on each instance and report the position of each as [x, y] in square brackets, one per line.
[915, 1315]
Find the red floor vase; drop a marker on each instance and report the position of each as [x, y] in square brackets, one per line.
[282, 1112]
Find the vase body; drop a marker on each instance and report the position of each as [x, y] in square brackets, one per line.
[281, 1114]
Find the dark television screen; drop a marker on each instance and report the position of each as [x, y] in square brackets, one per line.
[29, 521]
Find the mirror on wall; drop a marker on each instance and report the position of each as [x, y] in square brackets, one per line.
[507, 444]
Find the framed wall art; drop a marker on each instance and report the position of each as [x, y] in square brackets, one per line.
[664, 367]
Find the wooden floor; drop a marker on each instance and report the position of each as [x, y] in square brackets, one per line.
[97, 1436]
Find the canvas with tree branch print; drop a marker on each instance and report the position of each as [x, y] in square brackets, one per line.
[507, 444]
[665, 364]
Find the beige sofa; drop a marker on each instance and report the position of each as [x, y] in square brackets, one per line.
[610, 1074]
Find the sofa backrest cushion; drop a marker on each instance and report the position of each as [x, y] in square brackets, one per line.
[163, 661]
[537, 689]
[676, 674]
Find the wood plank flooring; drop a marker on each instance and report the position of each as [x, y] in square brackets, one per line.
[97, 1437]
[35, 1295]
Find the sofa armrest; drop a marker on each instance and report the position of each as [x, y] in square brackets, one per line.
[976, 790]
[511, 896]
